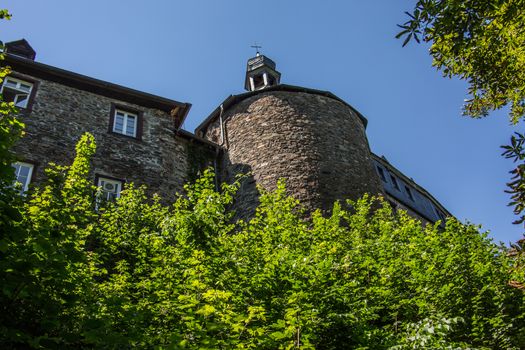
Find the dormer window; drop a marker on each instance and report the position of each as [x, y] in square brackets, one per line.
[381, 173]
[394, 182]
[17, 91]
[410, 195]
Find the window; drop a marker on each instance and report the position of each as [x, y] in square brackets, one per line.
[409, 193]
[125, 123]
[381, 173]
[23, 173]
[109, 189]
[17, 91]
[394, 182]
[258, 82]
[441, 216]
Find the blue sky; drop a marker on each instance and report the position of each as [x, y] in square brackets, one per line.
[196, 51]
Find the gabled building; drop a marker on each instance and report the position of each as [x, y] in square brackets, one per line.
[312, 138]
[138, 134]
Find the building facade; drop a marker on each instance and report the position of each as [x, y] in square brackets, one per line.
[312, 138]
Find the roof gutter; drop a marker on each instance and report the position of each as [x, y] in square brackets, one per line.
[99, 87]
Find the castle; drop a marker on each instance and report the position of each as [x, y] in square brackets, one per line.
[312, 138]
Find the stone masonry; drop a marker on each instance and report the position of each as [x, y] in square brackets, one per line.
[312, 139]
[318, 144]
[162, 158]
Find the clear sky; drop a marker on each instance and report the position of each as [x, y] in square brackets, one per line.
[196, 51]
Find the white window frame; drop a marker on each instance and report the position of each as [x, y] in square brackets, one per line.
[18, 88]
[125, 115]
[25, 184]
[103, 194]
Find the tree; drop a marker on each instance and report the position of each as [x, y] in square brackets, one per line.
[516, 189]
[189, 278]
[482, 42]
[137, 273]
[11, 130]
[45, 270]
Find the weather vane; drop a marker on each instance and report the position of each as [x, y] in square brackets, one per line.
[257, 47]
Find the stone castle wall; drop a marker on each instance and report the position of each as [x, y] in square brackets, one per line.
[61, 114]
[316, 143]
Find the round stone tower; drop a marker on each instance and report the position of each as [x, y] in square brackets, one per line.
[311, 138]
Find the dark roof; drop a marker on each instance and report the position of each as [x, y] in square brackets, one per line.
[414, 185]
[194, 138]
[260, 61]
[179, 110]
[20, 48]
[234, 99]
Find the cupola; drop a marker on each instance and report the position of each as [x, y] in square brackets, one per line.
[261, 73]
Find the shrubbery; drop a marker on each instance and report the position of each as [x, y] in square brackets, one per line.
[138, 274]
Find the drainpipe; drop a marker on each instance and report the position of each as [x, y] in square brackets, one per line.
[217, 150]
[221, 122]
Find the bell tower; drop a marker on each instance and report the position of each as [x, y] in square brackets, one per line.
[261, 73]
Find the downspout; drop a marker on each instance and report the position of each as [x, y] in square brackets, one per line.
[221, 123]
[217, 149]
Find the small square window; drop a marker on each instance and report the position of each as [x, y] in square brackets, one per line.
[23, 173]
[17, 91]
[125, 123]
[109, 189]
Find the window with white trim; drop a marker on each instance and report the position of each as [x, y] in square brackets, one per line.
[16, 91]
[125, 123]
[23, 173]
[109, 189]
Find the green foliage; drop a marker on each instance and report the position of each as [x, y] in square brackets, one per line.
[138, 274]
[516, 152]
[482, 42]
[45, 269]
[516, 186]
[4, 14]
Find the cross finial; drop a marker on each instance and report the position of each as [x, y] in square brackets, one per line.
[257, 47]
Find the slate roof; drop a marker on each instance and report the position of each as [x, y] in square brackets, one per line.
[234, 99]
[179, 110]
[422, 202]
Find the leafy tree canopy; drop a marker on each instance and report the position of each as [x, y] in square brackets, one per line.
[138, 274]
[482, 42]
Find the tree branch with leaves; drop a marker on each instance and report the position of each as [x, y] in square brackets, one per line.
[483, 43]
